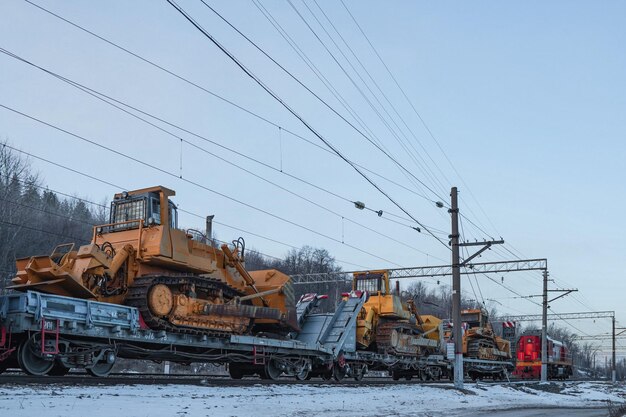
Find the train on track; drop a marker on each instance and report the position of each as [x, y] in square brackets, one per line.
[144, 289]
[528, 364]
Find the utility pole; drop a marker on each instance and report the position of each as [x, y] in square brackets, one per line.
[544, 329]
[614, 367]
[544, 322]
[456, 291]
[457, 328]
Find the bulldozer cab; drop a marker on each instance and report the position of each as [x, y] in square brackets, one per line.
[371, 281]
[475, 318]
[149, 205]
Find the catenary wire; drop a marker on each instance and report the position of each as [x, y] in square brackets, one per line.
[413, 155]
[198, 185]
[379, 147]
[97, 95]
[295, 114]
[419, 116]
[182, 210]
[215, 95]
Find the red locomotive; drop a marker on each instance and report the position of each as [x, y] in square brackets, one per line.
[528, 364]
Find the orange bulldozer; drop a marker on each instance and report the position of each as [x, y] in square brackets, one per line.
[177, 279]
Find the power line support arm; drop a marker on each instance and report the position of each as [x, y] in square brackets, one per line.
[485, 245]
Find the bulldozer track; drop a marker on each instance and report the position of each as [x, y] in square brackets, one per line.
[476, 349]
[474, 346]
[383, 337]
[138, 297]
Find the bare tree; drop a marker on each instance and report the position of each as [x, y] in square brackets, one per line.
[33, 219]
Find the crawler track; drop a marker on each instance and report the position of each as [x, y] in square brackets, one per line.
[138, 297]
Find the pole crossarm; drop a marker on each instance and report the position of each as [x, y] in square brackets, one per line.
[430, 271]
[565, 292]
[563, 316]
[485, 245]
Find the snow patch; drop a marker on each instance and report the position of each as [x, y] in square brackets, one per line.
[299, 400]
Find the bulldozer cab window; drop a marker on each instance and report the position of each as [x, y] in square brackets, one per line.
[369, 283]
[127, 210]
[173, 214]
[155, 210]
[472, 319]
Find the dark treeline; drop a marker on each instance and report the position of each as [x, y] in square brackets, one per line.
[33, 220]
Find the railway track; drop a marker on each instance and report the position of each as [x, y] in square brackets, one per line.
[82, 379]
[85, 380]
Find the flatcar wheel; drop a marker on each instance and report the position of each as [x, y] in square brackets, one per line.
[29, 361]
[340, 368]
[272, 371]
[100, 369]
[58, 370]
[339, 373]
[303, 375]
[327, 376]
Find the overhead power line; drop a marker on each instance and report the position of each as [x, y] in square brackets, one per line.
[163, 171]
[334, 91]
[35, 229]
[105, 98]
[71, 219]
[40, 187]
[417, 113]
[408, 128]
[295, 114]
[217, 96]
[314, 68]
[413, 156]
[311, 64]
[51, 213]
[321, 100]
[47, 189]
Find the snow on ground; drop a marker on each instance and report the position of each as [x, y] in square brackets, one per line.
[297, 400]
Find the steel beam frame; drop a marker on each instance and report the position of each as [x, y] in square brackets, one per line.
[430, 271]
[564, 316]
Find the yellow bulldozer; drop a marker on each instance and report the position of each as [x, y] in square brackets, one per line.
[179, 282]
[479, 339]
[387, 325]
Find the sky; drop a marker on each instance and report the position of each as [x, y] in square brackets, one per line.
[519, 105]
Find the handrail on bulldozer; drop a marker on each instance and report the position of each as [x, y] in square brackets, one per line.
[98, 230]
